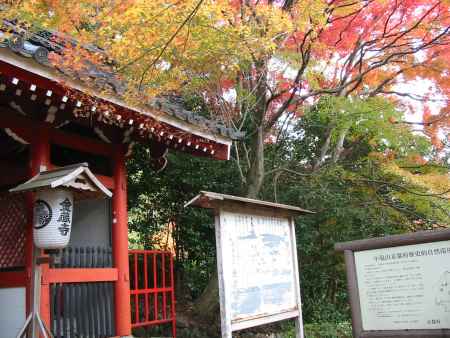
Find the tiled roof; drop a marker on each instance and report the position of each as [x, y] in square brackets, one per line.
[40, 44]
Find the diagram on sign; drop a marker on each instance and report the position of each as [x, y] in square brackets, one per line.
[443, 291]
[262, 269]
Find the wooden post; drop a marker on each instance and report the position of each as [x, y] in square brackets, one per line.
[225, 302]
[352, 286]
[299, 320]
[29, 246]
[120, 245]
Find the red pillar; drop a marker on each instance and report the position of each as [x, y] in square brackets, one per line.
[40, 157]
[120, 245]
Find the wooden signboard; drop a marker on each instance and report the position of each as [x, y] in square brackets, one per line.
[400, 285]
[256, 260]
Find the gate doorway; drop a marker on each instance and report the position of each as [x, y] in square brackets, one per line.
[152, 289]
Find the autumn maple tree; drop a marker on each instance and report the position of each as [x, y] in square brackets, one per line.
[256, 62]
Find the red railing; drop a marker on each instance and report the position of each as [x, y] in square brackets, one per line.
[152, 288]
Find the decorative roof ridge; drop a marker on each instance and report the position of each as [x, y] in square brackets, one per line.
[174, 106]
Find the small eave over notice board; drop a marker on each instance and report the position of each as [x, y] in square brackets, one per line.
[256, 261]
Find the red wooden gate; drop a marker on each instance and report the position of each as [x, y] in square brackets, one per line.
[152, 288]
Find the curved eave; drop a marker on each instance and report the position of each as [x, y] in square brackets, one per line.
[47, 76]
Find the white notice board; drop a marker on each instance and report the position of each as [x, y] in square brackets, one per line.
[258, 272]
[405, 287]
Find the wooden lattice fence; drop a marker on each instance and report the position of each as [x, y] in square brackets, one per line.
[13, 221]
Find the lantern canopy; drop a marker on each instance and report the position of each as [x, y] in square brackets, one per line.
[53, 206]
[77, 178]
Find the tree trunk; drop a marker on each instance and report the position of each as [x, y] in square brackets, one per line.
[324, 150]
[340, 145]
[255, 175]
[207, 305]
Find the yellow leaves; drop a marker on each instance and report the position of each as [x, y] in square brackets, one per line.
[373, 143]
[159, 45]
[435, 183]
[348, 7]
[314, 78]
[273, 19]
[310, 13]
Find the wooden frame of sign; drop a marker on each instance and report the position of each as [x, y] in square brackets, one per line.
[410, 306]
[256, 260]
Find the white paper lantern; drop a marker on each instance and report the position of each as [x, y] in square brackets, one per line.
[52, 221]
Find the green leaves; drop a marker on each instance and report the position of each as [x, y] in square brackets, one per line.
[378, 186]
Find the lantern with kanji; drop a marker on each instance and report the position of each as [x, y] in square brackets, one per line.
[55, 192]
[52, 219]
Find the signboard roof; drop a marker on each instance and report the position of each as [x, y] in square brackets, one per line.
[213, 200]
[394, 240]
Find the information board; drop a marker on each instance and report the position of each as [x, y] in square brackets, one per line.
[259, 271]
[257, 265]
[405, 287]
